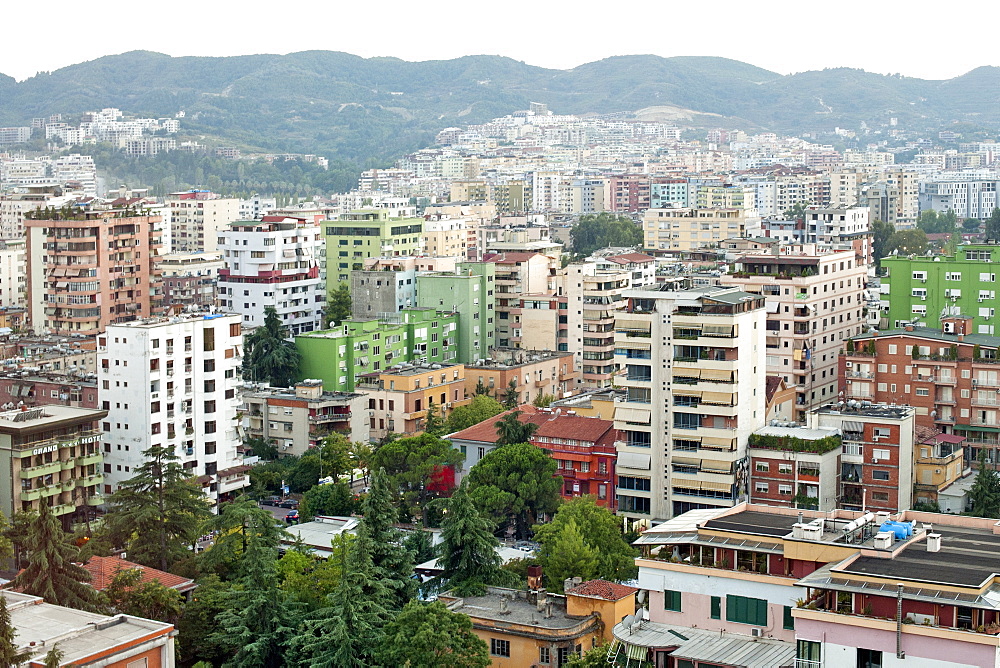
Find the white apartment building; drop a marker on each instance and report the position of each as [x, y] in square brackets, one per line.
[13, 273]
[836, 226]
[815, 300]
[196, 219]
[273, 262]
[172, 382]
[694, 381]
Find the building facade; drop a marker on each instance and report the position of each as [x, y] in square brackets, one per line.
[368, 233]
[196, 219]
[469, 291]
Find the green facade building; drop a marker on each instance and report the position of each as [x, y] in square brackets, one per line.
[338, 356]
[468, 291]
[921, 288]
[366, 233]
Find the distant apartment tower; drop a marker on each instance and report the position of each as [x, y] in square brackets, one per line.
[92, 270]
[172, 382]
[273, 262]
[694, 366]
[367, 233]
[197, 217]
[13, 273]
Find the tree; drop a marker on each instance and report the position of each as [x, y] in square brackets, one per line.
[257, 620]
[882, 245]
[469, 559]
[951, 247]
[349, 632]
[338, 305]
[568, 556]
[51, 571]
[481, 408]
[198, 621]
[309, 579]
[514, 485]
[985, 491]
[420, 543]
[418, 467]
[268, 355]
[482, 389]
[53, 658]
[511, 397]
[236, 524]
[9, 656]
[511, 429]
[601, 531]
[971, 224]
[592, 658]
[265, 448]
[429, 635]
[434, 424]
[335, 498]
[392, 562]
[930, 222]
[596, 231]
[797, 211]
[159, 511]
[543, 400]
[992, 227]
[910, 242]
[128, 594]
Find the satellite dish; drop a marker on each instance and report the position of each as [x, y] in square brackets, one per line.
[628, 621]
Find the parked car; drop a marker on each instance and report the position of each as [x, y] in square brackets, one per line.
[292, 517]
[270, 500]
[288, 503]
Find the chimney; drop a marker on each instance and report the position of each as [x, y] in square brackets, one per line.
[548, 609]
[933, 542]
[534, 578]
[504, 610]
[568, 585]
[909, 327]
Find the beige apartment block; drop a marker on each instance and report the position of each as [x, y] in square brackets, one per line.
[687, 229]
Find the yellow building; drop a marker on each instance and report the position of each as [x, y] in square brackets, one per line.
[687, 229]
[400, 397]
[939, 463]
[535, 628]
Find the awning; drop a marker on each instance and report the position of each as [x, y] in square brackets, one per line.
[634, 345]
[851, 425]
[681, 392]
[772, 307]
[723, 330]
[970, 427]
[632, 460]
[715, 466]
[685, 461]
[725, 398]
[685, 483]
[635, 652]
[717, 374]
[716, 486]
[687, 373]
[718, 442]
[637, 415]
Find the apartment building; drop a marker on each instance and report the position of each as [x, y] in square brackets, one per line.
[13, 273]
[603, 297]
[694, 364]
[518, 274]
[273, 262]
[94, 269]
[641, 267]
[172, 382]
[25, 388]
[196, 219]
[687, 228]
[969, 197]
[190, 279]
[814, 300]
[470, 291]
[444, 236]
[925, 289]
[51, 455]
[340, 356]
[399, 397]
[298, 419]
[948, 375]
[366, 233]
[628, 193]
[534, 373]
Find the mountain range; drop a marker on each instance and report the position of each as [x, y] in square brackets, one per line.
[368, 111]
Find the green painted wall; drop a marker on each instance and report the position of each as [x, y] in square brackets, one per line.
[950, 281]
[470, 293]
[363, 234]
[338, 356]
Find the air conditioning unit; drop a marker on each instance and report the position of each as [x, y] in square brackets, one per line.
[923, 298]
[849, 365]
[757, 633]
[923, 280]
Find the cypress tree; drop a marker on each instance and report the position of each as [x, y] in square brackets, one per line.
[392, 562]
[50, 572]
[468, 548]
[9, 656]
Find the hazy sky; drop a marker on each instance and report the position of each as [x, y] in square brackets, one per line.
[779, 35]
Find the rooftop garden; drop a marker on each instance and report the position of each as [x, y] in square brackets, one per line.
[794, 444]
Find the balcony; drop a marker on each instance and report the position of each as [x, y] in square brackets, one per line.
[43, 469]
[859, 374]
[328, 417]
[992, 401]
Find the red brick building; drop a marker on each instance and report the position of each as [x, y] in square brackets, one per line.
[583, 447]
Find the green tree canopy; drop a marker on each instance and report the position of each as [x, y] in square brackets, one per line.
[910, 242]
[514, 485]
[51, 571]
[159, 511]
[392, 562]
[596, 231]
[338, 305]
[128, 594]
[985, 491]
[309, 579]
[434, 424]
[198, 622]
[268, 356]
[568, 555]
[511, 396]
[9, 654]
[882, 245]
[415, 466]
[600, 531]
[236, 523]
[482, 407]
[511, 429]
[931, 222]
[429, 635]
[335, 498]
[992, 227]
[469, 560]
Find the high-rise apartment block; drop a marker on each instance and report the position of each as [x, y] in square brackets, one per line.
[197, 217]
[96, 268]
[172, 382]
[367, 233]
[687, 229]
[273, 262]
[694, 364]
[469, 291]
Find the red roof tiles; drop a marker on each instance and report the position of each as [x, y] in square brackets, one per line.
[609, 591]
[103, 570]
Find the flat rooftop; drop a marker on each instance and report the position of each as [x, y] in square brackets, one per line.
[519, 610]
[49, 414]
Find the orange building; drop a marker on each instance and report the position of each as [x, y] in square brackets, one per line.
[96, 268]
[399, 398]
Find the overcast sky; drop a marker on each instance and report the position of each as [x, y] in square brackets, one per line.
[779, 35]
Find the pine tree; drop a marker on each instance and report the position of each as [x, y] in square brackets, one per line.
[434, 424]
[985, 491]
[510, 429]
[338, 305]
[159, 511]
[469, 559]
[392, 562]
[51, 572]
[258, 620]
[269, 357]
[429, 635]
[235, 522]
[53, 658]
[569, 557]
[349, 632]
[9, 656]
[511, 398]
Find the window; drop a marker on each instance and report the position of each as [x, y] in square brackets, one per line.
[785, 490]
[869, 658]
[788, 622]
[880, 454]
[629, 482]
[671, 600]
[761, 487]
[763, 467]
[746, 610]
[499, 647]
[716, 607]
[543, 655]
[808, 650]
[922, 392]
[880, 475]
[784, 468]
[209, 339]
